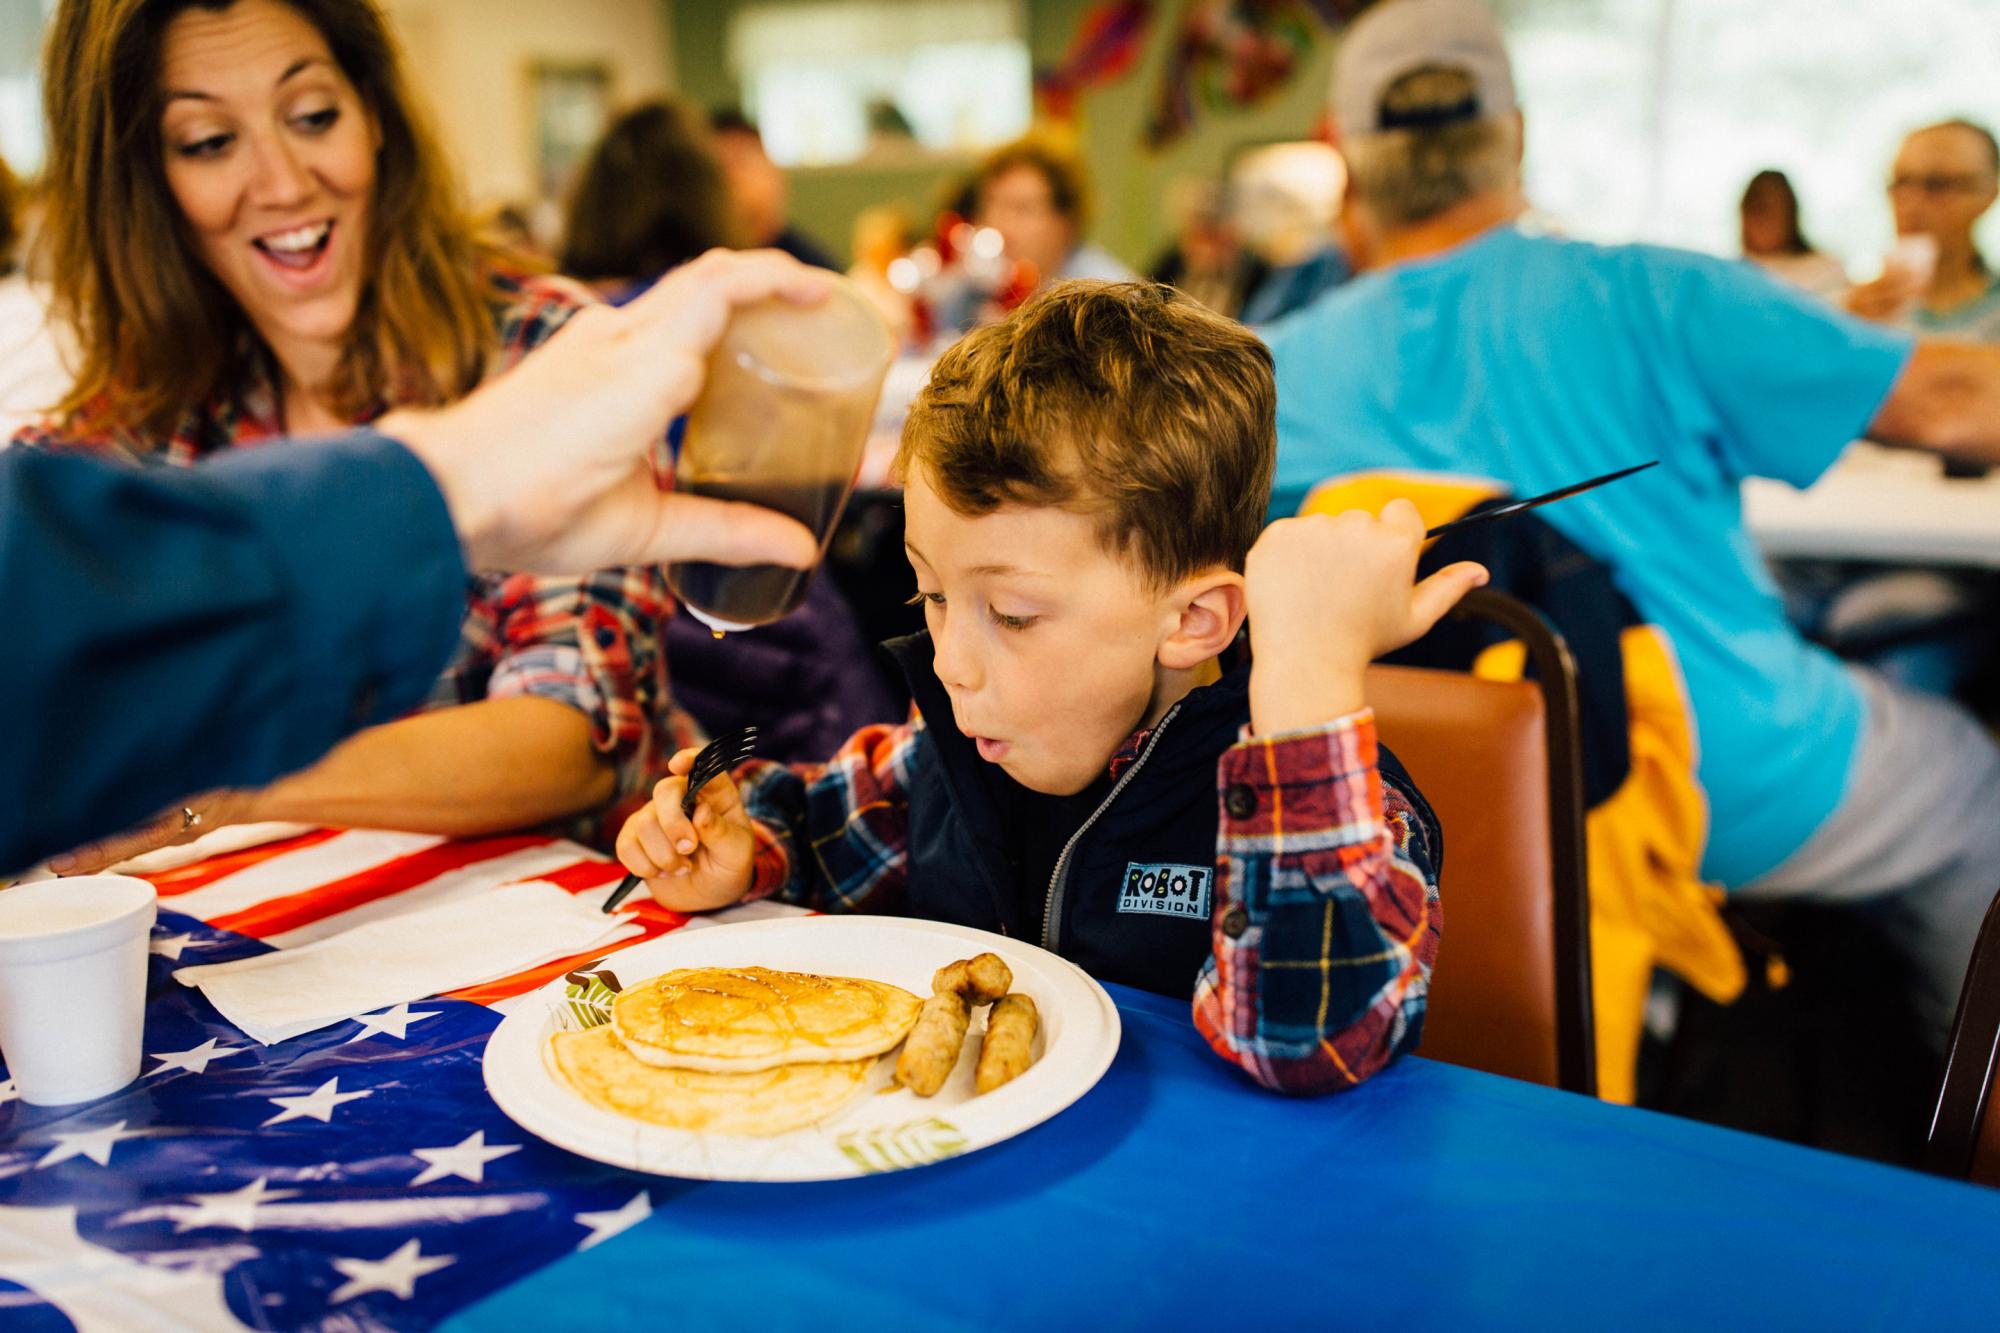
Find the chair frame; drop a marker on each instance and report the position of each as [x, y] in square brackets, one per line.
[1971, 1057]
[1569, 860]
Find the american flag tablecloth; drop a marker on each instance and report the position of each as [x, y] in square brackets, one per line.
[355, 1178]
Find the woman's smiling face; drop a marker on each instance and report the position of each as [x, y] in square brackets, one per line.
[270, 155]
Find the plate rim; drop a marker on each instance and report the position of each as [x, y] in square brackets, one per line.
[527, 1020]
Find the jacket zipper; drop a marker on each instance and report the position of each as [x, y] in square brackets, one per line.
[1052, 914]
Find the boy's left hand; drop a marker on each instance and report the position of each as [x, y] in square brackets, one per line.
[1328, 594]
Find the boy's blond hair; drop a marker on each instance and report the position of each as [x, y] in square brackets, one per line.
[1127, 402]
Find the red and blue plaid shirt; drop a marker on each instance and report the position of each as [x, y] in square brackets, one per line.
[592, 643]
[1326, 895]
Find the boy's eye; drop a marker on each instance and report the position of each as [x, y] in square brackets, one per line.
[1011, 622]
[920, 597]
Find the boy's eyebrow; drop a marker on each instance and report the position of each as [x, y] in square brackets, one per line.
[1012, 570]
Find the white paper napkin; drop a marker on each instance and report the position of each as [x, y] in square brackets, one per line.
[228, 838]
[279, 995]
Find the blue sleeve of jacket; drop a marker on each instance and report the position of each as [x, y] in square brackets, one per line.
[178, 630]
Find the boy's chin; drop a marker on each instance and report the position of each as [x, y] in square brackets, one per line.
[1046, 784]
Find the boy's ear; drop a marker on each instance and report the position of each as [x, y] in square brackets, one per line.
[1208, 611]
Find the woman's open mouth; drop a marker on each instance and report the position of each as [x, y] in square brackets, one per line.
[298, 253]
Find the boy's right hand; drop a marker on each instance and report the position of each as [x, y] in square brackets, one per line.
[691, 865]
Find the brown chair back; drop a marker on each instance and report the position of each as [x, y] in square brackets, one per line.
[1501, 763]
[1965, 1128]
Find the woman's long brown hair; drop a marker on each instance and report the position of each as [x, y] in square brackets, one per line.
[157, 334]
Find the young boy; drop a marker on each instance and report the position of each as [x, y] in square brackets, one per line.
[1085, 483]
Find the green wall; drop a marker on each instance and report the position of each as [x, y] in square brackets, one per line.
[1130, 181]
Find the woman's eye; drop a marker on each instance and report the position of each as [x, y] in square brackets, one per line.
[205, 147]
[318, 122]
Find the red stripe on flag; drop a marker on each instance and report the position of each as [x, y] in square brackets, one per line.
[201, 874]
[656, 919]
[275, 916]
[585, 875]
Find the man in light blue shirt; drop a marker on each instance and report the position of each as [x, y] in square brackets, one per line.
[1470, 347]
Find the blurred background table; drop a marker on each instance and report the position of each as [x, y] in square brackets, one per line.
[1886, 505]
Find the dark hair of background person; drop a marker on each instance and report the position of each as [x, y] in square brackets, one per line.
[730, 120]
[157, 334]
[10, 219]
[1776, 185]
[650, 197]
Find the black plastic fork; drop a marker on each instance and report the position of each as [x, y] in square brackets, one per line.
[717, 757]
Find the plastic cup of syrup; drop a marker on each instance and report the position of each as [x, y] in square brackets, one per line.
[782, 421]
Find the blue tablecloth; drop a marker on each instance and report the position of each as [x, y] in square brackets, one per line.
[1177, 1195]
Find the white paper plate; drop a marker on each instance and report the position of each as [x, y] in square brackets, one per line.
[877, 1131]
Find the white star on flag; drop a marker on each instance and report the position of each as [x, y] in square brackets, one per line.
[170, 946]
[238, 1208]
[396, 1273]
[603, 1226]
[96, 1144]
[195, 1061]
[466, 1159]
[318, 1104]
[395, 1022]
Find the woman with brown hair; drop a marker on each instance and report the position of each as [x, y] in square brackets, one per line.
[650, 197]
[254, 236]
[1775, 240]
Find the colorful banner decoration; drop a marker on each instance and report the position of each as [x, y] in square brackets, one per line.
[1106, 46]
[1236, 53]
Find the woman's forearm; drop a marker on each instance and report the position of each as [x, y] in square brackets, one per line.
[476, 768]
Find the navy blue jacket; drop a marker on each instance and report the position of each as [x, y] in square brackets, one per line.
[1107, 906]
[176, 630]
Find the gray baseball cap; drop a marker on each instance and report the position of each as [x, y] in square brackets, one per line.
[1397, 37]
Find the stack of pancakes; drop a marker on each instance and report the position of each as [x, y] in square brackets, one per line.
[734, 1050]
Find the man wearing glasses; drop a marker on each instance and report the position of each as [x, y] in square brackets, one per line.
[1945, 178]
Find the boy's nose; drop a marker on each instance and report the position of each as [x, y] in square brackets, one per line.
[955, 665]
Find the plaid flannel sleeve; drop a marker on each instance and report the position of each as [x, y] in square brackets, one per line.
[1326, 917]
[594, 644]
[835, 836]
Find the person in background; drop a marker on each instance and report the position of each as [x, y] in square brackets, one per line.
[650, 197]
[334, 571]
[1928, 628]
[1822, 780]
[271, 247]
[1037, 196]
[1208, 259]
[759, 191]
[1944, 180]
[34, 372]
[1774, 240]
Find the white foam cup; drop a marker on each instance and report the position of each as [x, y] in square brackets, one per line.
[73, 985]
